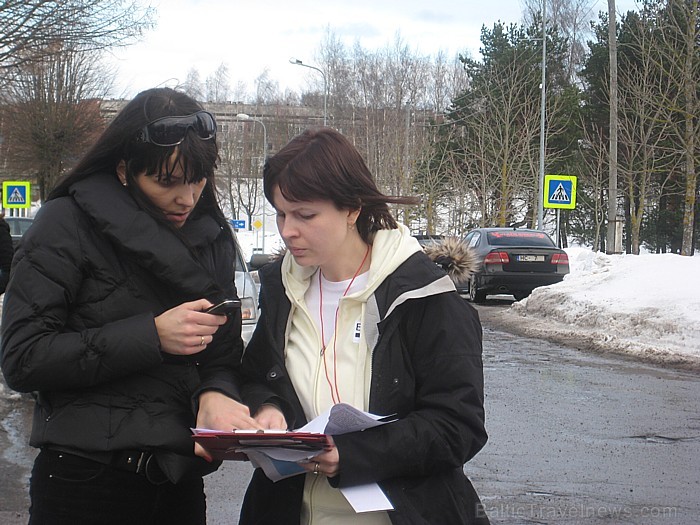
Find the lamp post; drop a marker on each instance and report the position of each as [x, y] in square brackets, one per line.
[244, 116]
[540, 193]
[297, 62]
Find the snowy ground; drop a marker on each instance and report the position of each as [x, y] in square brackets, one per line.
[643, 305]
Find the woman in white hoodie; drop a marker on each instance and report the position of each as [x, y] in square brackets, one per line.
[356, 313]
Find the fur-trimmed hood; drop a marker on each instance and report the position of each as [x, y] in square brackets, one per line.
[455, 257]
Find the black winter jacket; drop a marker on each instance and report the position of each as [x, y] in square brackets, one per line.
[78, 325]
[7, 251]
[426, 368]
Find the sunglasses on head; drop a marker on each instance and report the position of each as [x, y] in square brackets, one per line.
[171, 131]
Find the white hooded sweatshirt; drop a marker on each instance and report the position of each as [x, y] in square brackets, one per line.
[343, 371]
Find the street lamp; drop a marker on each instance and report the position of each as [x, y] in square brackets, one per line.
[297, 62]
[244, 116]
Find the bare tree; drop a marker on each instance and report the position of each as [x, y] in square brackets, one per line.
[387, 102]
[405, 75]
[337, 76]
[230, 176]
[592, 178]
[239, 92]
[217, 85]
[438, 181]
[240, 169]
[500, 124]
[34, 29]
[571, 17]
[193, 85]
[445, 79]
[51, 112]
[267, 90]
[678, 58]
[646, 99]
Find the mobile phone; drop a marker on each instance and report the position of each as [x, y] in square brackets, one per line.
[224, 308]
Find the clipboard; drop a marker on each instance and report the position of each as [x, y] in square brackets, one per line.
[227, 445]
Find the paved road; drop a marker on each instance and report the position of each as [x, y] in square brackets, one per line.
[575, 438]
[580, 438]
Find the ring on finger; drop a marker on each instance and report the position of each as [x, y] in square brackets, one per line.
[316, 466]
[201, 342]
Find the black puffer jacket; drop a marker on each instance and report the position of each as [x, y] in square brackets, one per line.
[426, 369]
[78, 325]
[7, 251]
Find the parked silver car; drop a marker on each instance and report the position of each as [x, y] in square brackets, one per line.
[247, 293]
[18, 225]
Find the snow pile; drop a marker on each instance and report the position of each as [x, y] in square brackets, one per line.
[647, 305]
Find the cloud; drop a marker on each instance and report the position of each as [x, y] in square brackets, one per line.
[256, 35]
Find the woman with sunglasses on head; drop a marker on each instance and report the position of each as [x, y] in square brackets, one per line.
[356, 313]
[104, 320]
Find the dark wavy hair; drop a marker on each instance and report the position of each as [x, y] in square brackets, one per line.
[322, 164]
[198, 158]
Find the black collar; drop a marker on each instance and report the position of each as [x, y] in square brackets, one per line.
[152, 245]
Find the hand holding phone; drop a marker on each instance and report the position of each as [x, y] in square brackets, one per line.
[225, 307]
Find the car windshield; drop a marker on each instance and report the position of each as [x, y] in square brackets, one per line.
[519, 238]
[427, 240]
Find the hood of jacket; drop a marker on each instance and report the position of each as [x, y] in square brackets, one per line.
[390, 249]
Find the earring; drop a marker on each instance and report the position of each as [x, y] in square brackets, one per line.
[351, 226]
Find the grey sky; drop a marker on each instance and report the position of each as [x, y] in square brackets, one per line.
[251, 36]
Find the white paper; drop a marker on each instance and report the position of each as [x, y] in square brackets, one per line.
[342, 419]
[279, 463]
[367, 498]
[275, 469]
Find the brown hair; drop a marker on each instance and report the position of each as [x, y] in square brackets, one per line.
[321, 164]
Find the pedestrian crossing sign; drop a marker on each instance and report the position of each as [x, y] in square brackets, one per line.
[560, 191]
[16, 194]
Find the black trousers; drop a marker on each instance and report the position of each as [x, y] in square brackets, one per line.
[70, 490]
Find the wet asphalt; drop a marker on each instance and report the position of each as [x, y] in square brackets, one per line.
[575, 438]
[584, 438]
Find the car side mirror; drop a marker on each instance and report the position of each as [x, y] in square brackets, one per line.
[259, 260]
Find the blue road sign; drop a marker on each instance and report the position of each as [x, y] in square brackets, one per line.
[16, 194]
[560, 191]
[238, 224]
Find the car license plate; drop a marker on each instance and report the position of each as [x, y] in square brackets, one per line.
[530, 258]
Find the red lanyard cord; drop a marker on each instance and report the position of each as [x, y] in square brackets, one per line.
[335, 394]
